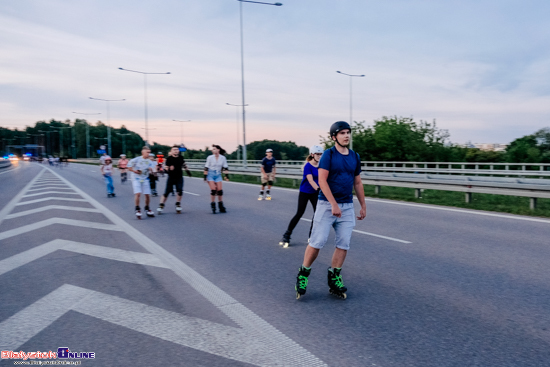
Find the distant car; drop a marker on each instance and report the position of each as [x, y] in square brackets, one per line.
[14, 158]
[26, 158]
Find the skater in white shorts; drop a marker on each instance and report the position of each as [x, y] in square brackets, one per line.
[268, 174]
[141, 167]
[215, 166]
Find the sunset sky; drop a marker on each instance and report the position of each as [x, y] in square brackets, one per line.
[480, 68]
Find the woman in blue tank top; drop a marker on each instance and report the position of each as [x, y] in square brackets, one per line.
[309, 191]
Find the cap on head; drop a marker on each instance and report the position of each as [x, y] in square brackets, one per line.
[316, 149]
[151, 155]
[339, 126]
[269, 150]
[123, 155]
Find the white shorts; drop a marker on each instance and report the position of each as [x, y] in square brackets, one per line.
[141, 186]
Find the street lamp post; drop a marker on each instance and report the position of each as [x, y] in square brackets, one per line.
[48, 144]
[242, 69]
[123, 142]
[61, 137]
[351, 102]
[108, 119]
[237, 109]
[145, 98]
[181, 130]
[87, 131]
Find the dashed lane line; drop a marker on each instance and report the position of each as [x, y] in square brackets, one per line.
[370, 234]
[10, 170]
[50, 207]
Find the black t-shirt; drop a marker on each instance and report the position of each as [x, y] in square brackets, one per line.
[178, 163]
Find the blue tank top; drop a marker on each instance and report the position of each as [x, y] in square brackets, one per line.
[305, 186]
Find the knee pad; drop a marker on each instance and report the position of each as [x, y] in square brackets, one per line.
[213, 192]
[220, 192]
[270, 183]
[180, 193]
[264, 184]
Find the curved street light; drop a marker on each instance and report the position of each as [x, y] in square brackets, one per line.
[242, 69]
[181, 131]
[87, 131]
[350, 102]
[108, 119]
[145, 97]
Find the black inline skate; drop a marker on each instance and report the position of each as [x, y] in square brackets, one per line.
[178, 208]
[221, 207]
[213, 206]
[285, 241]
[335, 283]
[301, 281]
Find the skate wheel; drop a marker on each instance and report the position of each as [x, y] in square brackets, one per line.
[298, 295]
[286, 245]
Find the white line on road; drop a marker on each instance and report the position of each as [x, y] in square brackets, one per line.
[49, 192]
[425, 206]
[9, 206]
[51, 207]
[48, 222]
[466, 211]
[210, 337]
[110, 253]
[370, 234]
[283, 350]
[47, 199]
[190, 193]
[13, 169]
[50, 187]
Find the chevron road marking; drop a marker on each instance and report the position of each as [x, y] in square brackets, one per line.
[9, 206]
[225, 341]
[47, 199]
[50, 187]
[49, 192]
[51, 207]
[48, 222]
[110, 253]
[281, 349]
[369, 234]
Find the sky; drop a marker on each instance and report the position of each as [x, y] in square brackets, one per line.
[480, 68]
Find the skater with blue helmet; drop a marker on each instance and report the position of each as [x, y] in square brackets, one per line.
[339, 175]
[309, 191]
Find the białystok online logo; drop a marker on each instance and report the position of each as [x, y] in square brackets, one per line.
[62, 353]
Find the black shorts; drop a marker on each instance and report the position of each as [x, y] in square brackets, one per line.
[177, 181]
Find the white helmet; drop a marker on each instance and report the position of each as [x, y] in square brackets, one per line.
[316, 149]
[123, 156]
[269, 150]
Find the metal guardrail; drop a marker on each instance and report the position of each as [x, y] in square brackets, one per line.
[436, 178]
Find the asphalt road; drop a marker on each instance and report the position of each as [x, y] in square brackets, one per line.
[428, 286]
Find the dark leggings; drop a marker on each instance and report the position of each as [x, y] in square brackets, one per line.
[303, 198]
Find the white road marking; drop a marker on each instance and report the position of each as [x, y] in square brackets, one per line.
[13, 169]
[51, 207]
[110, 253]
[33, 319]
[49, 192]
[210, 337]
[190, 193]
[50, 187]
[425, 206]
[9, 206]
[48, 222]
[370, 234]
[46, 199]
[283, 350]
[466, 211]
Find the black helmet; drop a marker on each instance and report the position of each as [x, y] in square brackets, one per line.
[339, 126]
